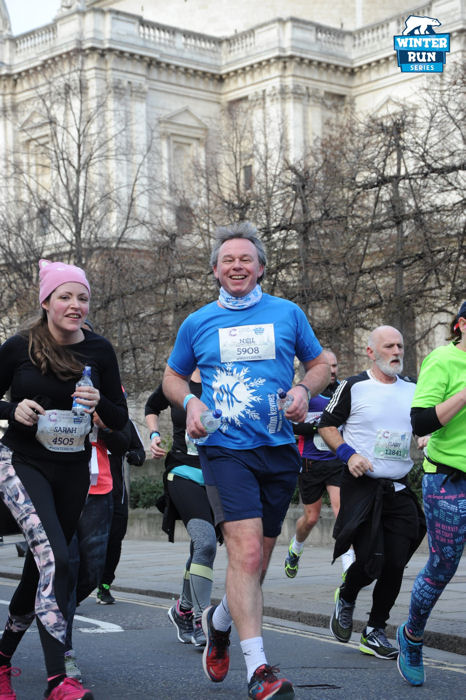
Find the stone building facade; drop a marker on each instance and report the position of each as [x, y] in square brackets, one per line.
[172, 66]
[169, 69]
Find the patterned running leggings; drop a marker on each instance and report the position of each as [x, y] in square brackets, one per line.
[445, 511]
[46, 503]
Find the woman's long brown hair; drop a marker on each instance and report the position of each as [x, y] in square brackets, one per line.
[47, 354]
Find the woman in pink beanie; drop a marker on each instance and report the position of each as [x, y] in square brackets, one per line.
[46, 482]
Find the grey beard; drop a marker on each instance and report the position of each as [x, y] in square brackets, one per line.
[387, 369]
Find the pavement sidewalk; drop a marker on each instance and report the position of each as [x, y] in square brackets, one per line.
[155, 568]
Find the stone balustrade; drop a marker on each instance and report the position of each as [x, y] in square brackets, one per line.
[157, 34]
[381, 35]
[241, 43]
[201, 43]
[282, 37]
[43, 38]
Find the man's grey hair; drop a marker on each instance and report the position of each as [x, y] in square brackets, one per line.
[243, 229]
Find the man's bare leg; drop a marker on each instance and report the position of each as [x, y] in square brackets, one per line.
[244, 542]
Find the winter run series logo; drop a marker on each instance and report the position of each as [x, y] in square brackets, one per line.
[419, 49]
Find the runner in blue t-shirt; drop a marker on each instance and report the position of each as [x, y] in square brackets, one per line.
[244, 345]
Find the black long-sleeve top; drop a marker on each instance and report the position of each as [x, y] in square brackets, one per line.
[25, 381]
[158, 402]
[120, 443]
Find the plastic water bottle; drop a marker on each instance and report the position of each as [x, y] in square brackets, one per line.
[78, 408]
[283, 400]
[190, 444]
[211, 421]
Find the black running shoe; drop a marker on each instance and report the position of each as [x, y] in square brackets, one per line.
[341, 624]
[291, 563]
[183, 621]
[377, 644]
[103, 595]
[198, 637]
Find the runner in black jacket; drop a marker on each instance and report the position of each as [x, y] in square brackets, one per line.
[120, 444]
[186, 498]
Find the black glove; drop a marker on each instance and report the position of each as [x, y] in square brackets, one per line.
[135, 458]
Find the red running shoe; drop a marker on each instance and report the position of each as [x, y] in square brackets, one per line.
[216, 656]
[70, 689]
[6, 691]
[265, 684]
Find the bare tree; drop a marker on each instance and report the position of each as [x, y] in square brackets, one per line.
[78, 190]
[366, 228]
[380, 221]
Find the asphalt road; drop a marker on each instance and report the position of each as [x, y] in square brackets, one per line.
[129, 651]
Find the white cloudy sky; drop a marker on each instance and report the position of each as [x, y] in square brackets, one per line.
[29, 14]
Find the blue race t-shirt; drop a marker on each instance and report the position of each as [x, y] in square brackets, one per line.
[244, 356]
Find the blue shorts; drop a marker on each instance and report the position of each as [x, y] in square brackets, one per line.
[256, 483]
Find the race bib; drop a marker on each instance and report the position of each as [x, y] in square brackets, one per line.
[320, 444]
[63, 431]
[313, 417]
[245, 343]
[392, 445]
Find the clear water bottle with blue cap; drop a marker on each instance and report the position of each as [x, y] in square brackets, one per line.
[283, 400]
[78, 408]
[211, 420]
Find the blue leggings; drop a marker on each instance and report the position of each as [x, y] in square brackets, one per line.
[445, 511]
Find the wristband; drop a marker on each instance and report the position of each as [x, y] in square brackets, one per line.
[153, 434]
[309, 395]
[344, 452]
[187, 398]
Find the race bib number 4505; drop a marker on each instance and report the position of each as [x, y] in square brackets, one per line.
[62, 431]
[245, 343]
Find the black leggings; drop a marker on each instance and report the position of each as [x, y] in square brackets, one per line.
[190, 500]
[115, 538]
[46, 501]
[400, 526]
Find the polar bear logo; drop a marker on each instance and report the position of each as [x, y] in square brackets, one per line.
[415, 24]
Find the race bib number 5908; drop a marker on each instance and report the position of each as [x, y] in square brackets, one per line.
[245, 343]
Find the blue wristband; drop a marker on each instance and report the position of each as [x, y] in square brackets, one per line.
[187, 398]
[344, 452]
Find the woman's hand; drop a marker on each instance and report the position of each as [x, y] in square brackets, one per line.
[27, 412]
[156, 449]
[97, 420]
[87, 396]
[422, 441]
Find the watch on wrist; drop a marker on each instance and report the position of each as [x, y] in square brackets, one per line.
[309, 395]
[154, 433]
